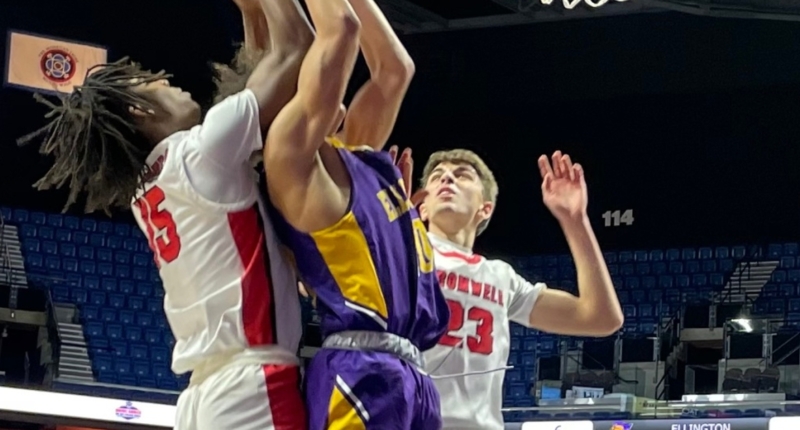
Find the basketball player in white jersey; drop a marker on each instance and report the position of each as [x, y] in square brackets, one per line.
[128, 138]
[484, 295]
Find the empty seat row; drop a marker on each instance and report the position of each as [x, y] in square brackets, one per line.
[22, 216]
[672, 267]
[113, 285]
[780, 290]
[87, 252]
[37, 262]
[132, 244]
[110, 332]
[100, 299]
[786, 275]
[123, 316]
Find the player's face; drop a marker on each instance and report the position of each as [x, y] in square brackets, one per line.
[455, 196]
[175, 108]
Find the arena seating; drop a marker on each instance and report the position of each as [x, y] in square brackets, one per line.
[106, 270]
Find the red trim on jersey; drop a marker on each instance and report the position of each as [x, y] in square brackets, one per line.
[258, 298]
[285, 400]
[469, 259]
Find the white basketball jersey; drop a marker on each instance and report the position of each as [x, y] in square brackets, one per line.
[468, 363]
[227, 286]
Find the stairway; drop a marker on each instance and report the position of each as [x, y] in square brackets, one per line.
[748, 279]
[12, 265]
[74, 364]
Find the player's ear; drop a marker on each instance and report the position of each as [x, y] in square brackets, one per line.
[486, 210]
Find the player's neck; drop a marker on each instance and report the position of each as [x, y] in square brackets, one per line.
[463, 237]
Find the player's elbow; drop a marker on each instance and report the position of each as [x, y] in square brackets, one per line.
[395, 73]
[607, 325]
[345, 25]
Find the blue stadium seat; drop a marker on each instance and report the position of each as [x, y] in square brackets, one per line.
[109, 284]
[97, 298]
[144, 319]
[63, 235]
[699, 280]
[515, 344]
[705, 253]
[161, 321]
[656, 255]
[648, 282]
[144, 246]
[152, 336]
[659, 268]
[692, 267]
[642, 269]
[625, 257]
[102, 363]
[90, 313]
[105, 255]
[774, 250]
[109, 315]
[623, 296]
[49, 247]
[80, 237]
[551, 261]
[626, 270]
[52, 263]
[629, 311]
[37, 218]
[105, 269]
[116, 300]
[60, 294]
[135, 303]
[28, 230]
[529, 344]
[688, 254]
[126, 316]
[122, 229]
[86, 253]
[673, 255]
[738, 252]
[645, 310]
[709, 266]
[159, 291]
[672, 296]
[140, 274]
[726, 265]
[126, 286]
[682, 281]
[638, 296]
[114, 331]
[114, 242]
[122, 271]
[146, 382]
[119, 349]
[613, 269]
[97, 239]
[787, 262]
[88, 224]
[139, 352]
[91, 282]
[46, 232]
[655, 296]
[794, 305]
[610, 257]
[777, 306]
[779, 276]
[144, 289]
[107, 377]
[105, 227]
[97, 344]
[787, 290]
[141, 369]
[122, 366]
[641, 256]
[513, 375]
[133, 334]
[79, 296]
[794, 276]
[20, 216]
[675, 267]
[88, 267]
[167, 384]
[94, 329]
[122, 257]
[790, 249]
[6, 214]
[155, 305]
[142, 260]
[67, 250]
[31, 245]
[717, 280]
[159, 354]
[769, 290]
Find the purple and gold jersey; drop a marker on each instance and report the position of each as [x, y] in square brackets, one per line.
[372, 270]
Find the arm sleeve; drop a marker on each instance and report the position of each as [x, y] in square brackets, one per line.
[524, 298]
[231, 131]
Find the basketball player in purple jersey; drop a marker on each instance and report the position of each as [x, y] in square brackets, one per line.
[358, 242]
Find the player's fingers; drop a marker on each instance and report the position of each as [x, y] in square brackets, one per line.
[557, 167]
[544, 166]
[566, 166]
[393, 153]
[418, 197]
[578, 172]
[547, 181]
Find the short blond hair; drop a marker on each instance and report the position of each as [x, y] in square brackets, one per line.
[465, 156]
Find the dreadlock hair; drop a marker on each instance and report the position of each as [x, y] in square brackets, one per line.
[93, 137]
[232, 78]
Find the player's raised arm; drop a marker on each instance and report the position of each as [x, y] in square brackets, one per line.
[274, 80]
[301, 127]
[373, 111]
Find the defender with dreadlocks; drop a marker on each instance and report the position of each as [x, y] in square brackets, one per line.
[126, 137]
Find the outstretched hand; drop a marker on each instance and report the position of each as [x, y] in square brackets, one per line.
[406, 165]
[563, 187]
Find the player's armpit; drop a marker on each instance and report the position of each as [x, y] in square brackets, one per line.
[559, 312]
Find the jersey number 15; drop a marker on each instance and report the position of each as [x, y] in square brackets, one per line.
[167, 245]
